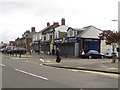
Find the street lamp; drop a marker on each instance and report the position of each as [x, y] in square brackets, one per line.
[119, 40]
[39, 47]
[53, 50]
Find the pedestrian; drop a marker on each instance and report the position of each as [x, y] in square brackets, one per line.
[58, 58]
[53, 52]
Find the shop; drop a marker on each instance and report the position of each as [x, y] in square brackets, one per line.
[45, 46]
[91, 44]
[68, 47]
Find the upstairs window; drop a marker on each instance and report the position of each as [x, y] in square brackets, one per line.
[50, 37]
[71, 33]
[45, 38]
[75, 33]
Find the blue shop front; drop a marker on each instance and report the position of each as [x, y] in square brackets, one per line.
[68, 46]
[91, 44]
[45, 46]
[72, 46]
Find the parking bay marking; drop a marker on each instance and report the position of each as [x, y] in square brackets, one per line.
[31, 74]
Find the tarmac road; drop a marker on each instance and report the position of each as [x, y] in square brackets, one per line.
[20, 73]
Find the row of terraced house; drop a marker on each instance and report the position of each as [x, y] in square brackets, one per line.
[69, 40]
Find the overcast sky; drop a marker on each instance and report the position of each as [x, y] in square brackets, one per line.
[17, 16]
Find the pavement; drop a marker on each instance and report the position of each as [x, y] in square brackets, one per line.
[98, 65]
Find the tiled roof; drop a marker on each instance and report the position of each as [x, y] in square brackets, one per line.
[49, 27]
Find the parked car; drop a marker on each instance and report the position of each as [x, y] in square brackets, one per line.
[93, 54]
[8, 49]
[18, 50]
[109, 53]
[2, 50]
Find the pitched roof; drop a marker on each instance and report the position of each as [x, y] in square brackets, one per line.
[76, 29]
[46, 29]
[91, 26]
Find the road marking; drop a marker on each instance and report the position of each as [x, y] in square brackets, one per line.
[31, 74]
[41, 60]
[2, 65]
[48, 61]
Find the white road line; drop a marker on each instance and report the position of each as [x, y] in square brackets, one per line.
[2, 65]
[41, 60]
[31, 74]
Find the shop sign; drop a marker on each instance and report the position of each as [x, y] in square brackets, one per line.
[58, 40]
[91, 40]
[72, 39]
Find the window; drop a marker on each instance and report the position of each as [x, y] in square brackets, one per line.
[75, 33]
[44, 37]
[50, 37]
[71, 32]
[55, 36]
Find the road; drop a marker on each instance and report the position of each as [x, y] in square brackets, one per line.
[28, 73]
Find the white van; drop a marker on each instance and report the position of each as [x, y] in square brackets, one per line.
[109, 51]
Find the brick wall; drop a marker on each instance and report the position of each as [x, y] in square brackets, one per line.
[28, 41]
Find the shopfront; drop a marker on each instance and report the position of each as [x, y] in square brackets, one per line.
[91, 44]
[45, 46]
[69, 46]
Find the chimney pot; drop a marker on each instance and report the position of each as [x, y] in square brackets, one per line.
[56, 23]
[32, 29]
[63, 21]
[48, 24]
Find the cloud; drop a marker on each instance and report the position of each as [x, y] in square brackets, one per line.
[38, 7]
[17, 16]
[7, 36]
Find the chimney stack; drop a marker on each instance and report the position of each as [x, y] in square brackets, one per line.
[32, 29]
[55, 23]
[63, 21]
[48, 24]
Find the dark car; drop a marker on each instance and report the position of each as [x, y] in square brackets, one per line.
[93, 54]
[18, 50]
[2, 50]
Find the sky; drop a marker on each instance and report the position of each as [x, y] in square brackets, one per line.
[17, 16]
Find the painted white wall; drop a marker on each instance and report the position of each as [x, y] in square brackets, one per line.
[76, 49]
[34, 37]
[47, 36]
[104, 47]
[43, 37]
[91, 32]
[71, 33]
[39, 36]
[62, 28]
[1, 45]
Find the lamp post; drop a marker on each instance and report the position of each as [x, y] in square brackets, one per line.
[119, 40]
[39, 47]
[53, 50]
